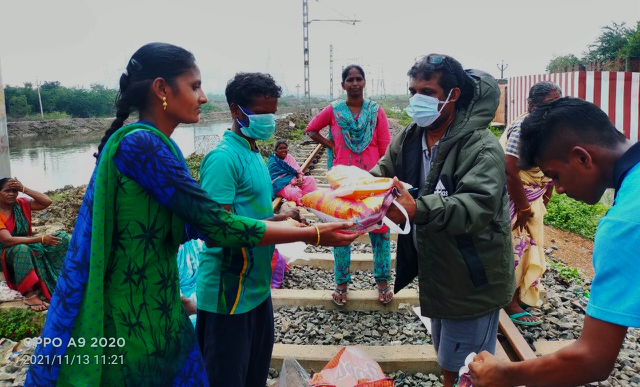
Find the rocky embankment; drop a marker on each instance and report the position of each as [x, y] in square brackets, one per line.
[86, 126]
[61, 127]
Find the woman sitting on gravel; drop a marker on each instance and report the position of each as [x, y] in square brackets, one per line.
[30, 263]
[287, 177]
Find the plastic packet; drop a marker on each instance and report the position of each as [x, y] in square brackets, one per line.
[292, 374]
[464, 379]
[351, 367]
[292, 251]
[341, 175]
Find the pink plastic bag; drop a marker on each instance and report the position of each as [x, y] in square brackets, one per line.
[278, 267]
[351, 367]
[464, 379]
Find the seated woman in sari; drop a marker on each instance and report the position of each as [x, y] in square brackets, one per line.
[29, 262]
[287, 177]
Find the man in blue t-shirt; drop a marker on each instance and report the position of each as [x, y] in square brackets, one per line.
[235, 315]
[573, 142]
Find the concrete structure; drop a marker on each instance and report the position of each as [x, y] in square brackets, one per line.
[5, 165]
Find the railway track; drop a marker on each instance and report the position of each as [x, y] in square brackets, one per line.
[408, 358]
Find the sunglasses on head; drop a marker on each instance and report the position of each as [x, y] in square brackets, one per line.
[439, 60]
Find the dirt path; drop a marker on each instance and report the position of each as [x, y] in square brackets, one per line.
[573, 250]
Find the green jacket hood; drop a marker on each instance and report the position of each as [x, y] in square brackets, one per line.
[477, 115]
[483, 105]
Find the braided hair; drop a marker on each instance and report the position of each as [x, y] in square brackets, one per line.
[151, 61]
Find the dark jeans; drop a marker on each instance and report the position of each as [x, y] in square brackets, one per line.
[237, 348]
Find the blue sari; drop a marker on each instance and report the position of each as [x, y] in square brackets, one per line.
[116, 315]
[281, 173]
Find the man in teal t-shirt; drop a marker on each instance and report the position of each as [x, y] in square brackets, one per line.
[235, 314]
[574, 143]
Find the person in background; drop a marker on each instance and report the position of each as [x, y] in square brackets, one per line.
[188, 263]
[574, 143]
[287, 178]
[235, 314]
[460, 247]
[119, 288]
[529, 192]
[30, 262]
[358, 135]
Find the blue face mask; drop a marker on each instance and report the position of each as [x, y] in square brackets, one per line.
[424, 109]
[261, 126]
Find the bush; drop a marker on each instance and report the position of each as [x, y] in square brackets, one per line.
[193, 162]
[496, 131]
[399, 114]
[571, 215]
[17, 324]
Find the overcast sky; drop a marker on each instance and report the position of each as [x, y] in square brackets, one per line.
[80, 42]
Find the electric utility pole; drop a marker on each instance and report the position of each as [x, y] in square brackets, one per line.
[330, 72]
[39, 98]
[305, 46]
[502, 68]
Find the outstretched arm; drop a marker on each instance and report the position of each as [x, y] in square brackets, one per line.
[143, 157]
[590, 358]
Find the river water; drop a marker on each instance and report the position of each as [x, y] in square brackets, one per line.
[47, 164]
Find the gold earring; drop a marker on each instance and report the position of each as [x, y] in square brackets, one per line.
[164, 103]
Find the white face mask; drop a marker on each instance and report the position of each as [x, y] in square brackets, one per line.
[424, 109]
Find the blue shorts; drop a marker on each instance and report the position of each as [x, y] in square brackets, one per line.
[455, 339]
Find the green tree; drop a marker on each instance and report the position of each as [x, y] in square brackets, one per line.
[632, 48]
[97, 101]
[19, 106]
[50, 92]
[562, 63]
[609, 45]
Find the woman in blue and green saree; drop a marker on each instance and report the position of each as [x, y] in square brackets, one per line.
[116, 318]
[29, 262]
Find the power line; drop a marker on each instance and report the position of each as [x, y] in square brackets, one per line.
[305, 44]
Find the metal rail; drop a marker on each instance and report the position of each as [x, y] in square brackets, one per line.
[512, 341]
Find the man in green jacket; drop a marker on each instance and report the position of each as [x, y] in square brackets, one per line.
[460, 245]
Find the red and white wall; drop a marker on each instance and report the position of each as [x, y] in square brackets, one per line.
[616, 93]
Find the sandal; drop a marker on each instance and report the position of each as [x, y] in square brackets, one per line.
[39, 307]
[517, 316]
[383, 295]
[340, 296]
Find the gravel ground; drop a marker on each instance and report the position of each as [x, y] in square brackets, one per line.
[562, 314]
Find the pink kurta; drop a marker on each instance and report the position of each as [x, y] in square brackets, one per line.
[342, 154]
[293, 192]
[294, 164]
